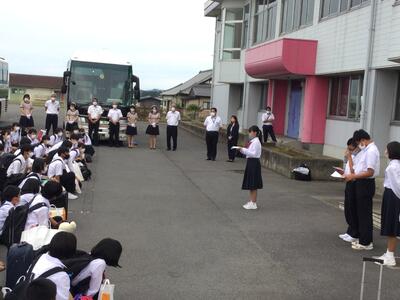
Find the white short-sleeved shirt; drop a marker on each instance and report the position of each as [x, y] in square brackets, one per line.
[369, 158]
[4, 211]
[355, 157]
[54, 139]
[173, 118]
[392, 177]
[73, 155]
[56, 167]
[25, 198]
[18, 166]
[95, 112]
[213, 123]
[60, 279]
[254, 150]
[56, 146]
[268, 118]
[114, 114]
[95, 271]
[52, 108]
[15, 137]
[40, 151]
[39, 216]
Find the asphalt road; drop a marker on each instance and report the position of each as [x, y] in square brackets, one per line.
[185, 235]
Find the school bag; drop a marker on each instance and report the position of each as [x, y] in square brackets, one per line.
[74, 266]
[86, 173]
[50, 156]
[15, 222]
[19, 291]
[302, 173]
[19, 258]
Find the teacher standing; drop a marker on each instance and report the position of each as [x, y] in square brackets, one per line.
[233, 137]
[213, 124]
[52, 108]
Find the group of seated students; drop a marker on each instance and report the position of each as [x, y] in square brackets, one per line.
[52, 157]
[37, 171]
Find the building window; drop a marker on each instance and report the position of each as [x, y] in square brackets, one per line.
[296, 13]
[264, 20]
[334, 7]
[246, 20]
[345, 96]
[232, 33]
[397, 105]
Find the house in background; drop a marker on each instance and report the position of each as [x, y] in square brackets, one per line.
[196, 90]
[148, 101]
[38, 87]
[327, 68]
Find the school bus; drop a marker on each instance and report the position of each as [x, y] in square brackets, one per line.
[104, 77]
[4, 85]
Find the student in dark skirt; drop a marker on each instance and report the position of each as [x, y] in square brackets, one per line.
[131, 129]
[390, 224]
[153, 129]
[252, 180]
[72, 119]
[26, 108]
[233, 137]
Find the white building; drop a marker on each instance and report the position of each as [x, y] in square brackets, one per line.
[326, 67]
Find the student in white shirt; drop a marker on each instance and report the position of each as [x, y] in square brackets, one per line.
[58, 172]
[365, 171]
[9, 199]
[41, 150]
[7, 141]
[57, 137]
[350, 205]
[62, 246]
[212, 124]
[268, 129]
[114, 116]
[107, 252]
[40, 206]
[19, 164]
[390, 212]
[30, 138]
[252, 180]
[15, 135]
[173, 117]
[94, 115]
[52, 108]
[85, 138]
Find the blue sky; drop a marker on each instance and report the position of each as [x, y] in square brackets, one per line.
[168, 41]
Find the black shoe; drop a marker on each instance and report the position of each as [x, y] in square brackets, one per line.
[173, 149]
[208, 158]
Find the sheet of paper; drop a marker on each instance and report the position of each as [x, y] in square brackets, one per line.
[236, 147]
[336, 175]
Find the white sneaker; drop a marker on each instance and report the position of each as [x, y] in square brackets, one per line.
[72, 196]
[250, 205]
[389, 261]
[358, 246]
[348, 238]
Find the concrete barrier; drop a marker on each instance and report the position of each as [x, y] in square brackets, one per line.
[278, 158]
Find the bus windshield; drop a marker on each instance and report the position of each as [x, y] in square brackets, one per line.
[106, 82]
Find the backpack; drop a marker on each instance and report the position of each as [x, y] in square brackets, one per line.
[302, 173]
[74, 266]
[6, 160]
[19, 258]
[15, 222]
[19, 292]
[86, 173]
[50, 156]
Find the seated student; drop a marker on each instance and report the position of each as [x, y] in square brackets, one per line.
[10, 199]
[41, 150]
[66, 144]
[15, 135]
[74, 139]
[58, 172]
[7, 141]
[30, 138]
[41, 289]
[75, 154]
[19, 164]
[106, 252]
[29, 190]
[62, 246]
[85, 138]
[40, 216]
[56, 137]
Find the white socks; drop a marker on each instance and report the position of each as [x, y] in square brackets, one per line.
[390, 254]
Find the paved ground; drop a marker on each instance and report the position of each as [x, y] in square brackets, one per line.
[185, 235]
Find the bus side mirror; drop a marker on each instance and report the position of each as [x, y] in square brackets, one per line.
[136, 89]
[67, 75]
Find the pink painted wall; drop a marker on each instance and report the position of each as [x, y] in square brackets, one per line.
[315, 107]
[280, 89]
[282, 57]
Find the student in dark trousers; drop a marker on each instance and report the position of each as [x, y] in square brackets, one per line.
[350, 207]
[233, 137]
[94, 115]
[212, 124]
[268, 128]
[390, 223]
[52, 108]
[365, 171]
[173, 117]
[114, 116]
